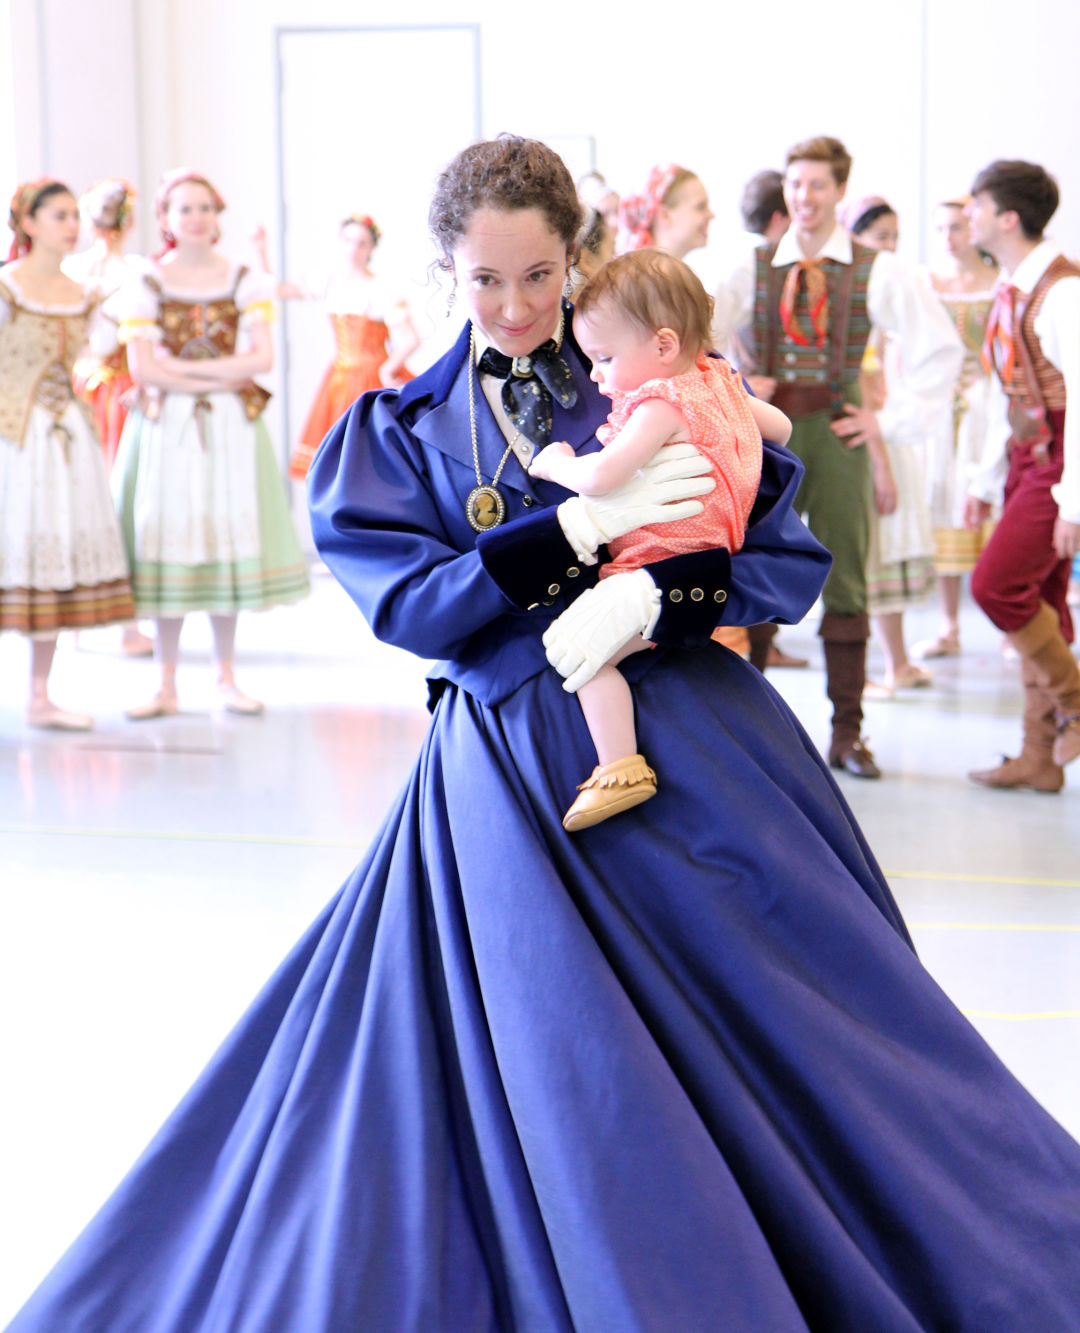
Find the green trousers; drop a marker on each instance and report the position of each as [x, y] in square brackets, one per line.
[835, 498]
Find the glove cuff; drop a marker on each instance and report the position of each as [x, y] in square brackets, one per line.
[650, 601]
[579, 528]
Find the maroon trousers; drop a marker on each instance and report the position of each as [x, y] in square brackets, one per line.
[1018, 567]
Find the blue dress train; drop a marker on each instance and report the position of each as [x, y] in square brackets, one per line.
[681, 1072]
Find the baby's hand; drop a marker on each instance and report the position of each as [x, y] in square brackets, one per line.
[541, 466]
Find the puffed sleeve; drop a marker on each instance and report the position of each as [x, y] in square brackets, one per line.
[376, 521]
[103, 332]
[384, 302]
[134, 308]
[255, 299]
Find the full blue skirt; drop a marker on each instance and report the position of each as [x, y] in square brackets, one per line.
[679, 1073]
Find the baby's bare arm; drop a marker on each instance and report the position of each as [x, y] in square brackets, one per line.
[652, 425]
[772, 423]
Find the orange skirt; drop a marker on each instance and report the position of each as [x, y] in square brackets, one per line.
[103, 385]
[341, 386]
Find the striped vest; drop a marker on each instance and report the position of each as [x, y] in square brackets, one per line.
[1049, 381]
[834, 366]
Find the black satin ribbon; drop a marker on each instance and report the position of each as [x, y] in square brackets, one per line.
[528, 399]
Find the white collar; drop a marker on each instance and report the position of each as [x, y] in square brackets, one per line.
[1031, 268]
[789, 251]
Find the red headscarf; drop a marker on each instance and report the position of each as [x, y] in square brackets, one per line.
[169, 182]
[637, 212]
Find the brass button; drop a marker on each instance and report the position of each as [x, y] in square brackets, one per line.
[696, 594]
[532, 606]
[553, 588]
[549, 601]
[675, 594]
[719, 596]
[573, 572]
[528, 501]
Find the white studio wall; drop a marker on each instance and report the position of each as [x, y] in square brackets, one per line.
[922, 94]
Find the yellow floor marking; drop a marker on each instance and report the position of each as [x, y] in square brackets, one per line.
[991, 925]
[957, 878]
[182, 837]
[1020, 1018]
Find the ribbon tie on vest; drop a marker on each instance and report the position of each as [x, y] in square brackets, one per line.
[1001, 329]
[817, 300]
[529, 384]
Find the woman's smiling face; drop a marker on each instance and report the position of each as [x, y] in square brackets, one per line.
[510, 267]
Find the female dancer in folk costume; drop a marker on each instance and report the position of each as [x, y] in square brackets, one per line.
[680, 1072]
[202, 503]
[900, 568]
[965, 281]
[644, 322]
[101, 375]
[671, 214]
[373, 333]
[62, 561]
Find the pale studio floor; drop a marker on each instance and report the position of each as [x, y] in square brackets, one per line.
[153, 875]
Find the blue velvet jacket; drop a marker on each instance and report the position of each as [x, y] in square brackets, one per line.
[387, 492]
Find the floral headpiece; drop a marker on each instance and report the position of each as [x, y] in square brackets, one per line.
[168, 183]
[23, 203]
[364, 220]
[108, 204]
[637, 212]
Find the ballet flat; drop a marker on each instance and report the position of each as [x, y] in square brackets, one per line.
[233, 701]
[50, 718]
[161, 705]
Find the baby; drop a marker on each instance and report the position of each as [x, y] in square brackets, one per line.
[644, 320]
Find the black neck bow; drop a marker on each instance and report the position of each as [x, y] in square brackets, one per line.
[529, 385]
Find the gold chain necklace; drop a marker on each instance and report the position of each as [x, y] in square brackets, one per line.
[484, 506]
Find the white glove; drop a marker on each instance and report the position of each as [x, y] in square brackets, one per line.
[660, 492]
[597, 624]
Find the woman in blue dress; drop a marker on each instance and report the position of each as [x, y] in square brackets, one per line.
[681, 1072]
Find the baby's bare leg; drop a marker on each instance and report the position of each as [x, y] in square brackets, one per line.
[608, 707]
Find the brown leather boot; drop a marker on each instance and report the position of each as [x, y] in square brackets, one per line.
[1034, 767]
[845, 677]
[761, 637]
[1042, 643]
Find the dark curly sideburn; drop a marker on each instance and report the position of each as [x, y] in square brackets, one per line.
[507, 173]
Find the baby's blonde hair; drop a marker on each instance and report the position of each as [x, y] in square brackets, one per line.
[656, 291]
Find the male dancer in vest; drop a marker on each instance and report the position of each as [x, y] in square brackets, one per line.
[803, 310]
[1033, 446]
[765, 217]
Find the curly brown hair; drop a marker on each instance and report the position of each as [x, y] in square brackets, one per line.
[507, 173]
